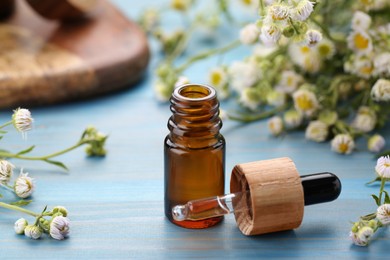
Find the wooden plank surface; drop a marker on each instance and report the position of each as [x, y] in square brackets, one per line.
[116, 203]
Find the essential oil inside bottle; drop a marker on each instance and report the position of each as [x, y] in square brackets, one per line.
[194, 151]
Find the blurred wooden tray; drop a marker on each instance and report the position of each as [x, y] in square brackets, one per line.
[46, 62]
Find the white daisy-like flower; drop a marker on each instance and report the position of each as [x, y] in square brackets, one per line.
[6, 171]
[218, 77]
[279, 12]
[316, 131]
[364, 236]
[360, 42]
[250, 98]
[383, 214]
[275, 125]
[59, 227]
[326, 49]
[243, 75]
[365, 119]
[20, 226]
[342, 143]
[381, 90]
[270, 33]
[376, 143]
[289, 81]
[182, 80]
[250, 4]
[363, 67]
[249, 34]
[361, 21]
[162, 91]
[24, 185]
[33, 232]
[382, 167]
[382, 64]
[305, 57]
[303, 10]
[312, 38]
[292, 119]
[305, 102]
[276, 98]
[22, 120]
[355, 239]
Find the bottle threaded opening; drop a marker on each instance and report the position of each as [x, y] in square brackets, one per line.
[194, 92]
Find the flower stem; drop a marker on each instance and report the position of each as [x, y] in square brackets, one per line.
[6, 124]
[252, 118]
[325, 31]
[383, 182]
[207, 54]
[13, 207]
[23, 157]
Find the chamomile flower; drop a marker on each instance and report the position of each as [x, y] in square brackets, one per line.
[342, 143]
[376, 143]
[218, 78]
[20, 225]
[24, 185]
[356, 239]
[249, 34]
[250, 98]
[6, 171]
[289, 81]
[270, 33]
[305, 102]
[360, 42]
[278, 12]
[22, 120]
[383, 214]
[382, 64]
[243, 75]
[33, 232]
[364, 235]
[275, 125]
[382, 167]
[312, 38]
[292, 119]
[305, 57]
[361, 21]
[381, 90]
[363, 67]
[365, 119]
[59, 227]
[326, 49]
[316, 131]
[303, 10]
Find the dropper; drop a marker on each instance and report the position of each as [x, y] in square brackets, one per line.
[317, 188]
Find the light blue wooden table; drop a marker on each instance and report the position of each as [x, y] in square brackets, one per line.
[116, 203]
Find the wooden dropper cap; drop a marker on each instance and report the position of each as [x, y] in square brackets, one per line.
[276, 199]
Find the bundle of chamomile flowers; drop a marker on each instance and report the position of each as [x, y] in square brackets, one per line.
[54, 222]
[306, 72]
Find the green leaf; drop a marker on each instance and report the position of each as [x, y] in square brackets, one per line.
[376, 199]
[26, 150]
[374, 180]
[387, 197]
[21, 203]
[59, 164]
[1, 195]
[3, 132]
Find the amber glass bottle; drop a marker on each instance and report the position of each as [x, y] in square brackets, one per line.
[194, 151]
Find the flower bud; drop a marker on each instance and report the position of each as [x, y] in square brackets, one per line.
[376, 143]
[44, 224]
[24, 185]
[288, 32]
[6, 171]
[22, 120]
[20, 226]
[33, 232]
[59, 227]
[60, 209]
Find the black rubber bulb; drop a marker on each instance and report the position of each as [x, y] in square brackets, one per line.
[320, 187]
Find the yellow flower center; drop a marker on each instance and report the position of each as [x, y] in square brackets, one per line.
[246, 2]
[324, 50]
[180, 5]
[290, 81]
[360, 41]
[305, 49]
[304, 103]
[216, 78]
[343, 147]
[366, 70]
